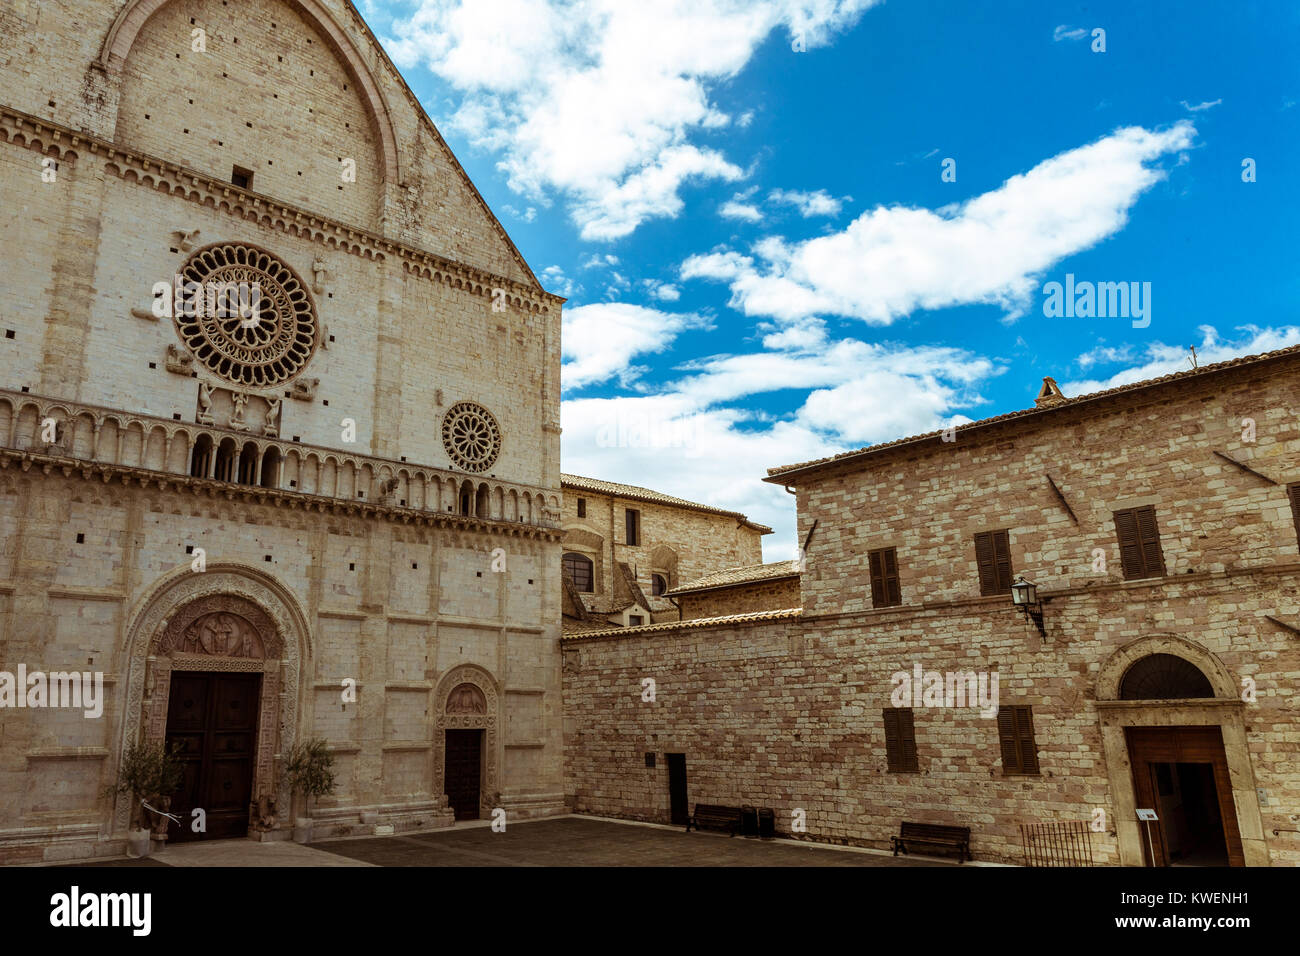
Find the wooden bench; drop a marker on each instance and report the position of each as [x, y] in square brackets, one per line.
[916, 835]
[710, 817]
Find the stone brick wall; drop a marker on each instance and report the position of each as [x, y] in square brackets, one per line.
[677, 542]
[112, 174]
[741, 599]
[788, 713]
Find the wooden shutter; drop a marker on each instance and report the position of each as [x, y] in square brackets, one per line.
[885, 589]
[1016, 735]
[1293, 492]
[993, 557]
[900, 740]
[1139, 543]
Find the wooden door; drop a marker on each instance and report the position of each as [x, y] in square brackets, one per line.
[1149, 746]
[678, 809]
[464, 770]
[212, 729]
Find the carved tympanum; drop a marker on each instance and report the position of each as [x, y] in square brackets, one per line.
[219, 627]
[466, 699]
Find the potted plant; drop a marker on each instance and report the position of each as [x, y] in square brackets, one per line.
[151, 775]
[309, 772]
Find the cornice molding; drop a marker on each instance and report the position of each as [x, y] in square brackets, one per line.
[48, 137]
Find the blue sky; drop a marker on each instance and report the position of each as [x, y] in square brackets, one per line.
[763, 259]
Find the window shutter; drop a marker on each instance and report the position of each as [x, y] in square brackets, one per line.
[891, 578]
[907, 737]
[900, 740]
[876, 562]
[1153, 561]
[985, 562]
[1016, 735]
[1007, 738]
[1130, 551]
[1002, 560]
[1293, 492]
[892, 747]
[1025, 737]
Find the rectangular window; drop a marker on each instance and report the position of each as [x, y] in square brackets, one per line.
[635, 620]
[993, 555]
[633, 521]
[884, 578]
[1016, 734]
[900, 740]
[243, 178]
[582, 507]
[1139, 543]
[1293, 492]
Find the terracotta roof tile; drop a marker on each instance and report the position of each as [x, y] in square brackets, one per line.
[730, 577]
[779, 475]
[650, 496]
[753, 617]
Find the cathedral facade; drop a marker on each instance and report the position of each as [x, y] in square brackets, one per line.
[279, 434]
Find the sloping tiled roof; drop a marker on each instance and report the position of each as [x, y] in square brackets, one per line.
[782, 473]
[648, 495]
[731, 577]
[753, 617]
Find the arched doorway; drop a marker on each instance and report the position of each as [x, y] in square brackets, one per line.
[467, 753]
[1173, 729]
[214, 662]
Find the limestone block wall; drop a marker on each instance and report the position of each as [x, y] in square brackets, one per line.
[787, 714]
[930, 501]
[309, 77]
[394, 607]
[741, 599]
[677, 542]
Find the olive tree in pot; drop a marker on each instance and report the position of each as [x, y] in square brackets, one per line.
[151, 775]
[310, 772]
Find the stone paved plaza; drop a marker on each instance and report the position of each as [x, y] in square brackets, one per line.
[562, 841]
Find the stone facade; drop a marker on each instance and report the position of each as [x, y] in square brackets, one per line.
[740, 598]
[386, 505]
[785, 709]
[678, 540]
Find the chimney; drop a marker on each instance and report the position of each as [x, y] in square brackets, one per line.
[1049, 394]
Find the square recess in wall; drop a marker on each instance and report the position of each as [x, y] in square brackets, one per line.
[649, 760]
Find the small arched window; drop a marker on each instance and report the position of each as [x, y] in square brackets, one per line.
[579, 569]
[658, 584]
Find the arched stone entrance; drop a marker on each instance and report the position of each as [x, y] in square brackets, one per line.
[227, 619]
[467, 700]
[1165, 726]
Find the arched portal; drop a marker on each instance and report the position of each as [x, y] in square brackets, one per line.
[214, 665]
[467, 703]
[1174, 734]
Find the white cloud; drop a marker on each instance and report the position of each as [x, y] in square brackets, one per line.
[891, 261]
[598, 261]
[739, 207]
[662, 291]
[554, 280]
[691, 440]
[600, 341]
[809, 204]
[598, 99]
[1160, 359]
[1200, 107]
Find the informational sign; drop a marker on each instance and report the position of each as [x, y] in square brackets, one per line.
[1147, 815]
